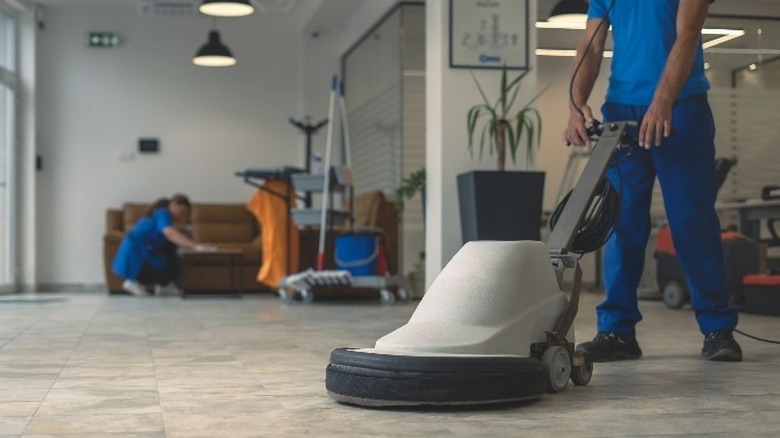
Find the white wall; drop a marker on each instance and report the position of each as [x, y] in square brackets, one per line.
[94, 105]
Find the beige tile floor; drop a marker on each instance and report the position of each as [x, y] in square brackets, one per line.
[91, 365]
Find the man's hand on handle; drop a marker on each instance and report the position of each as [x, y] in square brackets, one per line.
[576, 132]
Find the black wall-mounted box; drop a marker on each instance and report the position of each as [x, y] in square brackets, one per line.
[148, 145]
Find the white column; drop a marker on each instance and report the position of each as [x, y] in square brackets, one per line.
[449, 94]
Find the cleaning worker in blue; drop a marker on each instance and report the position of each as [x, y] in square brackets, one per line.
[657, 77]
[147, 254]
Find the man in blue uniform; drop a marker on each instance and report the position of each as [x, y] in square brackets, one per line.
[658, 78]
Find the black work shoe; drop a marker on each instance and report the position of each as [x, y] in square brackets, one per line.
[721, 346]
[607, 346]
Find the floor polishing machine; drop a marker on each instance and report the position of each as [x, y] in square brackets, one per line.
[495, 326]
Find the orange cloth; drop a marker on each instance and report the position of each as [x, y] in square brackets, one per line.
[272, 212]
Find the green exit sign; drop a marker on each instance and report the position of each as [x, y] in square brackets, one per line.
[103, 39]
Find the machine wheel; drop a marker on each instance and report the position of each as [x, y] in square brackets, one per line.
[674, 294]
[403, 294]
[374, 379]
[580, 375]
[386, 297]
[307, 296]
[556, 364]
[284, 295]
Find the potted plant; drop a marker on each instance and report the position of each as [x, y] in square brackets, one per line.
[410, 186]
[413, 184]
[501, 205]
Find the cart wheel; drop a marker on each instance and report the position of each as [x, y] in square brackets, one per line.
[580, 375]
[674, 294]
[307, 296]
[403, 294]
[285, 295]
[386, 297]
[556, 364]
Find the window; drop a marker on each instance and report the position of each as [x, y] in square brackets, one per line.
[7, 41]
[8, 80]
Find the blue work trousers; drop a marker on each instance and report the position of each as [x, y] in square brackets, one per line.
[685, 167]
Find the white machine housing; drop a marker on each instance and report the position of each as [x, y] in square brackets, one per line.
[492, 299]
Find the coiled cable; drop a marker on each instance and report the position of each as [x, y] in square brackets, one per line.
[599, 221]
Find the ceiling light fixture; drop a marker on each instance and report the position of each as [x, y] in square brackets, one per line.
[214, 53]
[564, 52]
[569, 11]
[744, 51]
[725, 35]
[565, 25]
[226, 8]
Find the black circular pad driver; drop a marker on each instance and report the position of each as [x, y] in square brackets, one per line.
[375, 380]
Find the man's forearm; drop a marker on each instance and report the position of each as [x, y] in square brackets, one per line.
[586, 76]
[690, 20]
[677, 69]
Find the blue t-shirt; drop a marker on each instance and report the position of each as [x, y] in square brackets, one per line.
[144, 244]
[149, 230]
[644, 32]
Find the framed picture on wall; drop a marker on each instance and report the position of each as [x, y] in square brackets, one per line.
[489, 33]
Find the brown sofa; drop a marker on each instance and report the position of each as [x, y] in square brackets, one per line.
[228, 226]
[232, 226]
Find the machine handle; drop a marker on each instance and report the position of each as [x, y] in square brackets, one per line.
[567, 318]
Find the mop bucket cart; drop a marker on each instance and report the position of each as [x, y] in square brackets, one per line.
[361, 263]
[355, 272]
[301, 286]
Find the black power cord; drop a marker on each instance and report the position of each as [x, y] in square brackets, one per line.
[769, 341]
[579, 64]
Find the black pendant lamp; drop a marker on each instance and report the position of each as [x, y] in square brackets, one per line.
[226, 8]
[572, 11]
[214, 53]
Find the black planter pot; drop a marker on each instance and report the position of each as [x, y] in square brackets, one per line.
[500, 205]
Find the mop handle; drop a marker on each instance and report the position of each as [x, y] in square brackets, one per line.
[349, 182]
[345, 126]
[326, 176]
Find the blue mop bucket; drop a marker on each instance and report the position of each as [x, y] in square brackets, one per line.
[357, 253]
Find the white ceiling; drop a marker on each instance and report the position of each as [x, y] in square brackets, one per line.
[111, 3]
[544, 5]
[331, 15]
[322, 16]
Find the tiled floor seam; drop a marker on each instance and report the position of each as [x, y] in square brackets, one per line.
[65, 364]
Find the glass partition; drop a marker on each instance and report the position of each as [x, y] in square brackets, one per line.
[384, 74]
[745, 99]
